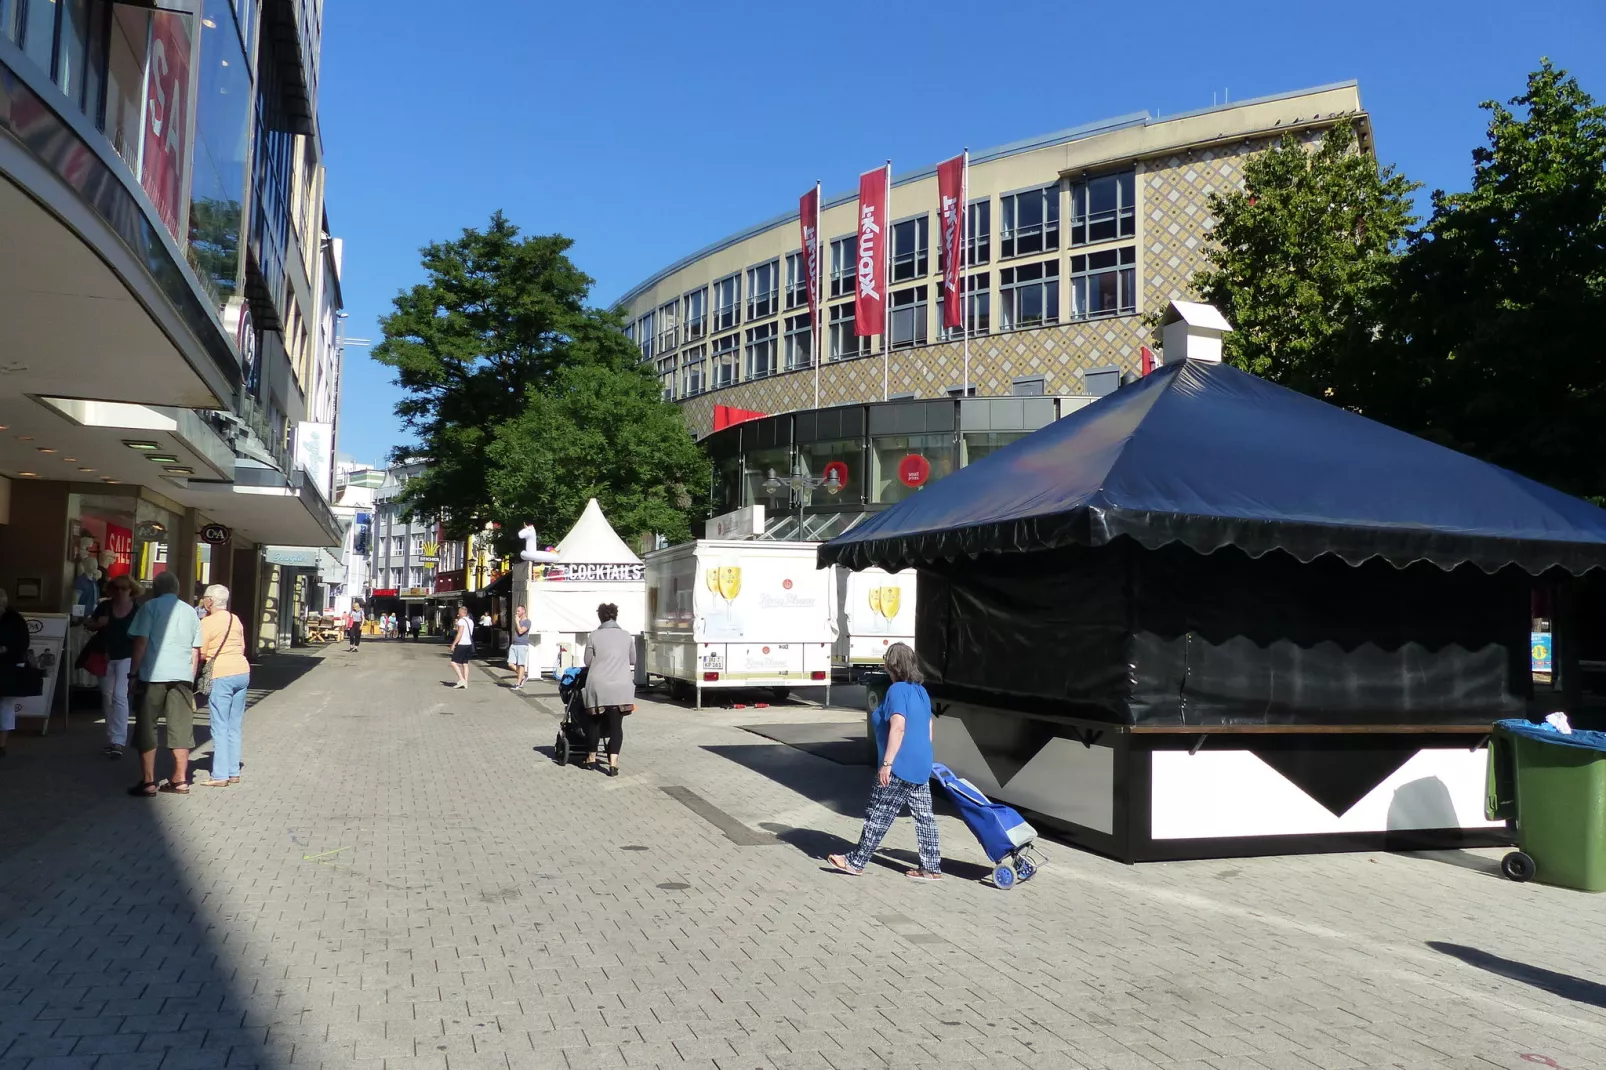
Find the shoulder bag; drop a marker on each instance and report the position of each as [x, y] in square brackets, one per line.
[203, 682]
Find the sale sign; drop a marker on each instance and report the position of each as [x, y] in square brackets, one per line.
[167, 90]
[120, 541]
[870, 307]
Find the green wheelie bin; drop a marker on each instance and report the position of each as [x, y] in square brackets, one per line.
[1554, 785]
[876, 683]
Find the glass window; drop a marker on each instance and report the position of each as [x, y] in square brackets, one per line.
[8, 19]
[813, 457]
[1103, 209]
[974, 445]
[39, 31]
[759, 465]
[644, 337]
[980, 310]
[726, 356]
[889, 452]
[761, 351]
[797, 286]
[667, 371]
[668, 327]
[696, 304]
[762, 283]
[1029, 222]
[125, 80]
[907, 319]
[978, 238]
[1104, 284]
[910, 238]
[799, 342]
[845, 266]
[728, 484]
[72, 48]
[1029, 295]
[727, 302]
[845, 341]
[222, 132]
[694, 368]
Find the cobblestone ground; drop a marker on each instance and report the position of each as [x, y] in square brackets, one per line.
[401, 881]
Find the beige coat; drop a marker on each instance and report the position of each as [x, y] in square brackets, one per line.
[611, 659]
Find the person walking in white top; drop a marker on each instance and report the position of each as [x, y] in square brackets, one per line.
[462, 647]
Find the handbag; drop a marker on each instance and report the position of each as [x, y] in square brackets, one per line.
[92, 658]
[203, 682]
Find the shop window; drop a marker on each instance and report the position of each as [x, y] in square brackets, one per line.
[890, 458]
[728, 484]
[813, 457]
[974, 445]
[757, 467]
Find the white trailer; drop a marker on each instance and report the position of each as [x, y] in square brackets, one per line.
[739, 614]
[876, 609]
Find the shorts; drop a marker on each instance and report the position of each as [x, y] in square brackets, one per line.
[462, 654]
[175, 700]
[518, 656]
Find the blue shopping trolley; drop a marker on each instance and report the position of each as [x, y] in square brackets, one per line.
[1002, 832]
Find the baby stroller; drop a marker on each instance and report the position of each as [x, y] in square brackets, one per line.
[572, 732]
[1002, 832]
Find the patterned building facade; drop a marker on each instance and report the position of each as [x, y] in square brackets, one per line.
[1075, 239]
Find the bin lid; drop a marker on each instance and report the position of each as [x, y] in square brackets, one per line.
[1583, 739]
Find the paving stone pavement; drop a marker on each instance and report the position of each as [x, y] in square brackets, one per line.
[401, 881]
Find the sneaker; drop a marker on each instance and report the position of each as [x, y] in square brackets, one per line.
[460, 686]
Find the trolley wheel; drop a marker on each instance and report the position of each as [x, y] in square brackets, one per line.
[560, 749]
[1004, 877]
[1517, 866]
[1025, 869]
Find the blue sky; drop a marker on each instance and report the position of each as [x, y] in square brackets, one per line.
[646, 130]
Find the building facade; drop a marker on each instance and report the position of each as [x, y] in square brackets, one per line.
[1074, 239]
[166, 301]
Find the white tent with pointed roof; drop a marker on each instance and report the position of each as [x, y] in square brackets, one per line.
[594, 565]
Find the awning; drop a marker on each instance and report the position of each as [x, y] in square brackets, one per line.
[1208, 456]
[262, 505]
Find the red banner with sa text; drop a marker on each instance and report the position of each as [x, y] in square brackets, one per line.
[951, 217]
[808, 216]
[167, 116]
[870, 307]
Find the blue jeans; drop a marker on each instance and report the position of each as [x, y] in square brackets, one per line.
[227, 709]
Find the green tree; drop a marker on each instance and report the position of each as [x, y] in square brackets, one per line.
[494, 319]
[1301, 258]
[600, 429]
[1502, 295]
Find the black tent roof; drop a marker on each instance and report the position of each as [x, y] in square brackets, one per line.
[1209, 456]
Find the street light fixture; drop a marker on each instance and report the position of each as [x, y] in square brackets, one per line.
[800, 481]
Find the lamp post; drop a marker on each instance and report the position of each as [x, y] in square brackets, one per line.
[800, 481]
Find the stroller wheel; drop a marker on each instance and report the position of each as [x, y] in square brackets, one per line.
[560, 749]
[1024, 868]
[1004, 877]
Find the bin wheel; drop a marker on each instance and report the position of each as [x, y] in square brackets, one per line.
[1517, 866]
[560, 749]
[1025, 869]
[1004, 877]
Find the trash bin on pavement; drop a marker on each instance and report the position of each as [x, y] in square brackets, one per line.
[876, 683]
[1554, 785]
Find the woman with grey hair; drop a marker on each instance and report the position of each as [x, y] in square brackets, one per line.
[903, 732]
[223, 647]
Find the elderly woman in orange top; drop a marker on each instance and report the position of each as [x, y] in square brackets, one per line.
[223, 644]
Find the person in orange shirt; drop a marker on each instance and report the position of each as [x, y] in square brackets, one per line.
[223, 647]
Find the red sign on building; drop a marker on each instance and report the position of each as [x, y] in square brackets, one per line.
[167, 112]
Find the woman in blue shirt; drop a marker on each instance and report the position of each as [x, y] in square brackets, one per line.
[903, 730]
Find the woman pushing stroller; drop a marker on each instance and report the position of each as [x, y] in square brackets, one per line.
[610, 687]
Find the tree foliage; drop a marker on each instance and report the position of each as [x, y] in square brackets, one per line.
[1501, 296]
[1302, 257]
[491, 351]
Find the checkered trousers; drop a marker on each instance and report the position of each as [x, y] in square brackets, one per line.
[885, 806]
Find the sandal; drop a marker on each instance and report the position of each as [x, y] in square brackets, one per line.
[840, 862]
[234, 780]
[212, 783]
[170, 787]
[143, 790]
[923, 875]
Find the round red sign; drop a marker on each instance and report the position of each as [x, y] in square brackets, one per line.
[786, 585]
[839, 469]
[914, 470]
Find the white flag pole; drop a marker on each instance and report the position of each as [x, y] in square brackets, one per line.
[819, 290]
[886, 288]
[964, 264]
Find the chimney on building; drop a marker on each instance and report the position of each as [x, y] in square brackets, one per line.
[1192, 331]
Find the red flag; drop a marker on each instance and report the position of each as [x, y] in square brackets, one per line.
[167, 115]
[808, 218]
[1148, 359]
[951, 216]
[870, 309]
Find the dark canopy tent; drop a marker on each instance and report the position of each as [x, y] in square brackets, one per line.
[1206, 547]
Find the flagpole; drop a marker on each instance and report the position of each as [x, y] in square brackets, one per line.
[964, 265]
[819, 289]
[886, 289]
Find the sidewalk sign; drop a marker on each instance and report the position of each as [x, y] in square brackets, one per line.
[47, 635]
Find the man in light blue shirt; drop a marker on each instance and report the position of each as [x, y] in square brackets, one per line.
[167, 644]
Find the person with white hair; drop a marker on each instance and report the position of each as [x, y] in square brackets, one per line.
[167, 642]
[223, 648]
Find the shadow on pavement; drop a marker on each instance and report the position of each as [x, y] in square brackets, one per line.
[818, 845]
[1461, 860]
[842, 789]
[107, 946]
[1564, 985]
